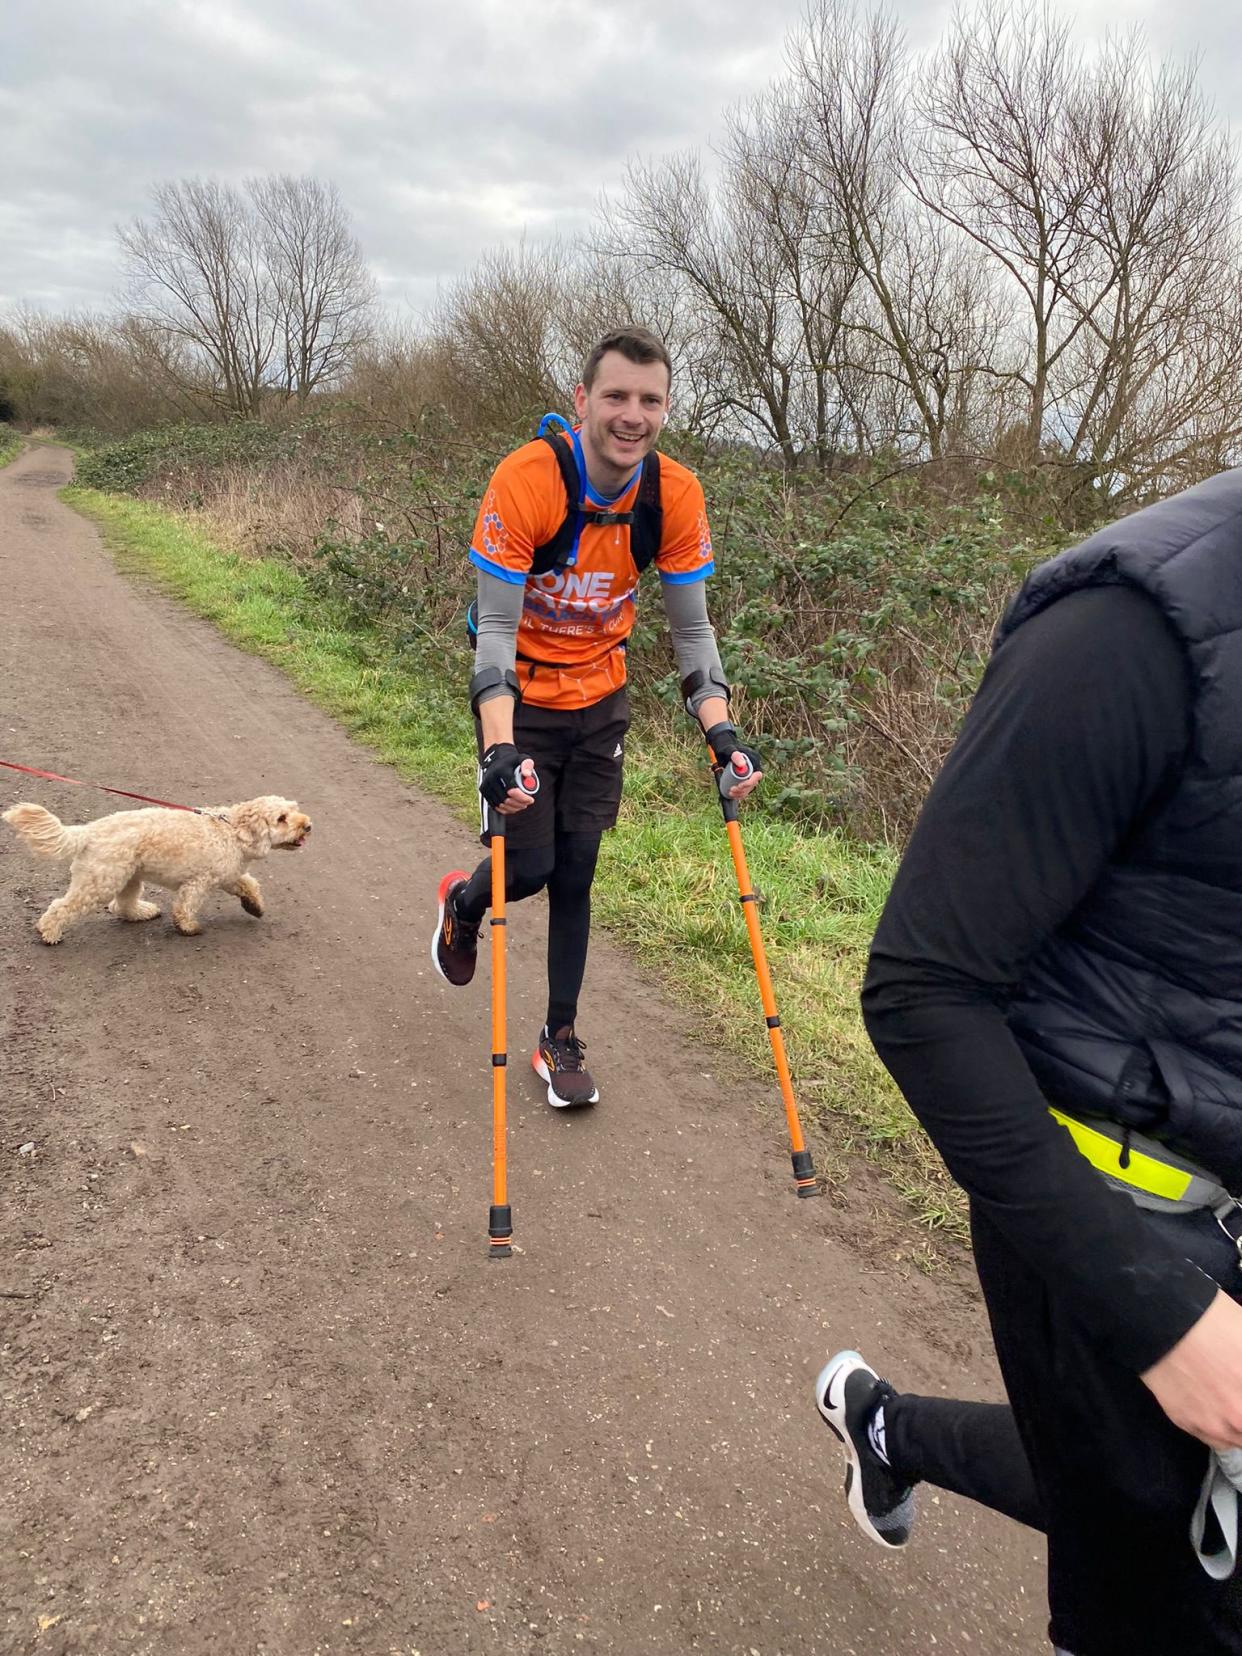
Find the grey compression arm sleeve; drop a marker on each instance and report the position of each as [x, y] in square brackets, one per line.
[499, 611]
[694, 642]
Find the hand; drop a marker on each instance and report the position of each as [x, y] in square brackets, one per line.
[1199, 1383]
[741, 789]
[723, 740]
[518, 798]
[507, 780]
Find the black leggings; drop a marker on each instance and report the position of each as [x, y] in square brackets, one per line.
[567, 869]
[1084, 1454]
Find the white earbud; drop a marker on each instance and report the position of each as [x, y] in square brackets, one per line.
[664, 419]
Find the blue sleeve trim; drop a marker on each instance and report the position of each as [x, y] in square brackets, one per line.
[515, 577]
[685, 577]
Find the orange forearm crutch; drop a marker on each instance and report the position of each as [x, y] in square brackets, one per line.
[726, 778]
[500, 1214]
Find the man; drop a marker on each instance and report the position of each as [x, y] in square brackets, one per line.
[1056, 987]
[557, 580]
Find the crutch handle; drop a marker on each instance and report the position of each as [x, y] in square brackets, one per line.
[739, 769]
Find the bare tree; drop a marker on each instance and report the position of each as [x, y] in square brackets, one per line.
[747, 257]
[497, 326]
[162, 366]
[1153, 377]
[955, 327]
[790, 243]
[997, 154]
[915, 330]
[265, 289]
[1107, 197]
[107, 373]
[198, 273]
[844, 316]
[322, 291]
[665, 223]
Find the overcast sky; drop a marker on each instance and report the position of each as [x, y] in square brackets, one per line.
[448, 127]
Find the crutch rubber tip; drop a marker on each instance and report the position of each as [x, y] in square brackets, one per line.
[499, 1250]
[499, 1230]
[804, 1172]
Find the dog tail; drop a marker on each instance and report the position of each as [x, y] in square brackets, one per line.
[45, 834]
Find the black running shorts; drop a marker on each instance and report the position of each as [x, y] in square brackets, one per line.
[578, 754]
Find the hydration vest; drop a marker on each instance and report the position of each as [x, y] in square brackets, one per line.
[645, 520]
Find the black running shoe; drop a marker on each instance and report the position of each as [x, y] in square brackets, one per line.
[455, 946]
[847, 1394]
[558, 1060]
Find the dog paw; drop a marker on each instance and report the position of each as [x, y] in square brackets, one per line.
[140, 911]
[253, 905]
[53, 937]
[189, 928]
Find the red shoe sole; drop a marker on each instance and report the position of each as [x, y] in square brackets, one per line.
[446, 885]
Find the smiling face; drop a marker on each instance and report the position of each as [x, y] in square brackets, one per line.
[621, 416]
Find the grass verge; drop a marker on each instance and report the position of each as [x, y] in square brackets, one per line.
[665, 886]
[10, 444]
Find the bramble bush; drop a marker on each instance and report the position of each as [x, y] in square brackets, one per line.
[854, 622]
[398, 559]
[854, 614]
[175, 457]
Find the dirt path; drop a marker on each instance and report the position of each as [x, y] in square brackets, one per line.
[261, 1389]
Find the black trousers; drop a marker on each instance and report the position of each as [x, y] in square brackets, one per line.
[579, 755]
[1084, 1453]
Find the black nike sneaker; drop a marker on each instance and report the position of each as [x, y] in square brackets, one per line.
[847, 1394]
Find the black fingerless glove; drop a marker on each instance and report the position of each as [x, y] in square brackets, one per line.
[723, 740]
[498, 772]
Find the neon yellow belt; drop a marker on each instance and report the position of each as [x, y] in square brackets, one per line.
[1150, 1172]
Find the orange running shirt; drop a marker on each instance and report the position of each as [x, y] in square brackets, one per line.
[575, 620]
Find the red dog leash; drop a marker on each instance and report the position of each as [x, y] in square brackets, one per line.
[51, 776]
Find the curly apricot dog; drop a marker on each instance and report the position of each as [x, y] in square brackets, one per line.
[111, 857]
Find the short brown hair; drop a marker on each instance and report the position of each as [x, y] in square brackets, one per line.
[635, 344]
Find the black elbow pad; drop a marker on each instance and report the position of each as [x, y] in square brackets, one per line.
[701, 684]
[493, 678]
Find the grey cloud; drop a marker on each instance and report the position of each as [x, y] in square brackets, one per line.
[448, 127]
